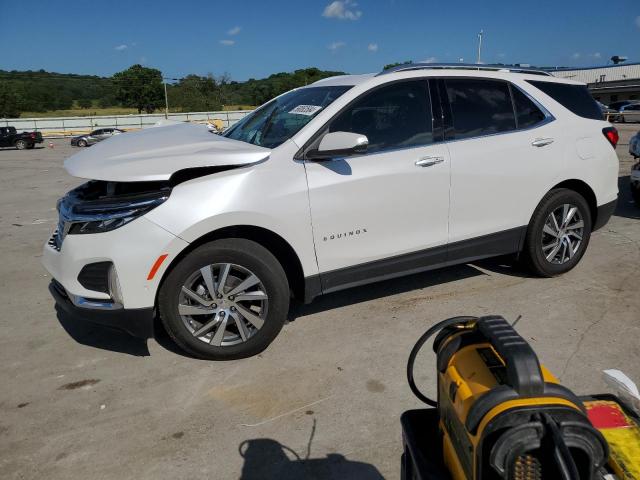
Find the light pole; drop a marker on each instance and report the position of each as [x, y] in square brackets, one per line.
[166, 101]
[479, 46]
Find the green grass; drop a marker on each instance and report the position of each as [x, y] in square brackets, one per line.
[95, 111]
[81, 112]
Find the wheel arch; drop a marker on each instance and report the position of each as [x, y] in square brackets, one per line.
[278, 246]
[581, 187]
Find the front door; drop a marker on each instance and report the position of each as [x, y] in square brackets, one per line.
[385, 212]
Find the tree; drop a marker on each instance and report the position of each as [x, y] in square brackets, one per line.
[85, 103]
[194, 93]
[391, 65]
[139, 87]
[9, 102]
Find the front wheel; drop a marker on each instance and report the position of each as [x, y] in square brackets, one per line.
[558, 233]
[82, 143]
[226, 299]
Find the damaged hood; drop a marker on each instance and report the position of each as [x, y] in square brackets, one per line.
[158, 152]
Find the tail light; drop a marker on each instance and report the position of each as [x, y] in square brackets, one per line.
[32, 134]
[612, 135]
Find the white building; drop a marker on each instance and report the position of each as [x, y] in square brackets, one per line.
[609, 83]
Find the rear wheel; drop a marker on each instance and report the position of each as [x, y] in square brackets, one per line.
[225, 300]
[31, 145]
[21, 144]
[558, 233]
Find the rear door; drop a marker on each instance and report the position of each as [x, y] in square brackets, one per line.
[503, 155]
[375, 214]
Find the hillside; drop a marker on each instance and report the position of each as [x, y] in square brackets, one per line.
[58, 94]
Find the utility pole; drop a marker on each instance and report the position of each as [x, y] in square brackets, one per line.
[166, 101]
[479, 46]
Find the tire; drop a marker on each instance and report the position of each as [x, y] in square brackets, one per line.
[82, 143]
[635, 193]
[540, 244]
[245, 258]
[31, 146]
[21, 144]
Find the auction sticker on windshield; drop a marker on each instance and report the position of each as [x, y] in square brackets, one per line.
[305, 109]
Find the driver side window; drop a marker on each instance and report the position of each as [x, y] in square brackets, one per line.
[392, 117]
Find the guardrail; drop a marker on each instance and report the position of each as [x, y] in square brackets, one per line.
[68, 126]
[623, 117]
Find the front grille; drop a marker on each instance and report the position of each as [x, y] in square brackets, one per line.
[55, 242]
[95, 276]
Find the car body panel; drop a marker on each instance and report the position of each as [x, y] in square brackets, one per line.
[145, 243]
[369, 207]
[271, 195]
[157, 153]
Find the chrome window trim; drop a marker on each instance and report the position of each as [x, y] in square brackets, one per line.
[300, 155]
[548, 117]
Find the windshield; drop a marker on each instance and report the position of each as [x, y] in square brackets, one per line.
[280, 119]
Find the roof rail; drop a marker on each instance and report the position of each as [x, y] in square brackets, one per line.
[463, 66]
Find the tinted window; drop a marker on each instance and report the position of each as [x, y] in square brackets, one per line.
[395, 116]
[635, 106]
[96, 132]
[480, 107]
[573, 97]
[527, 113]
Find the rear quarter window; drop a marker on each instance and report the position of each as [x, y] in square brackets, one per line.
[573, 97]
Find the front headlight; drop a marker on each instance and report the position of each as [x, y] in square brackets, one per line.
[98, 207]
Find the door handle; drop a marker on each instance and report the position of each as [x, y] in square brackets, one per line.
[541, 142]
[429, 161]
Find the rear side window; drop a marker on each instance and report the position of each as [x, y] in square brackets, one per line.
[573, 97]
[527, 113]
[480, 107]
[394, 116]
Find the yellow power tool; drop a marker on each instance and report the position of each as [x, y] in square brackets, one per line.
[500, 414]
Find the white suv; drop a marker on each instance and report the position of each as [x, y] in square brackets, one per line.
[350, 180]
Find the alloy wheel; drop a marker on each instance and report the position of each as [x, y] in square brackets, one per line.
[562, 234]
[223, 304]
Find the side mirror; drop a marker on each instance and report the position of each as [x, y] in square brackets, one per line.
[339, 144]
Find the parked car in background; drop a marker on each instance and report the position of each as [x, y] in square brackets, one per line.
[9, 137]
[608, 112]
[634, 145]
[634, 150]
[349, 180]
[619, 104]
[629, 113]
[95, 137]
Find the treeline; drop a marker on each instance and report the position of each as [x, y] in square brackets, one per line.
[44, 91]
[141, 88]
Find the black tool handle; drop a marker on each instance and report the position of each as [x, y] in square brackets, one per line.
[523, 369]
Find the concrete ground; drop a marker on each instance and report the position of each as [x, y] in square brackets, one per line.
[323, 401]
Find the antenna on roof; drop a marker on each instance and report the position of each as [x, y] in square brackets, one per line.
[479, 46]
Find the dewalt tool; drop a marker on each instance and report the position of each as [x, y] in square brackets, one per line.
[499, 413]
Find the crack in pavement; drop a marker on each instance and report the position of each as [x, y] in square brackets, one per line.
[619, 291]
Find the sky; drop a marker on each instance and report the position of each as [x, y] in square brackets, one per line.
[253, 39]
